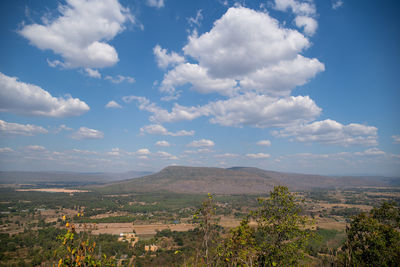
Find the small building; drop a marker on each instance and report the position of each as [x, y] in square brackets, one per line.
[152, 248]
[128, 237]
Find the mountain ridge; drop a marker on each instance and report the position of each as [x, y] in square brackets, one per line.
[236, 180]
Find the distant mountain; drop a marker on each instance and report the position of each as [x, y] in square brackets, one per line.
[236, 180]
[72, 178]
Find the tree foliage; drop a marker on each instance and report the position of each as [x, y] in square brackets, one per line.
[373, 238]
[281, 230]
[279, 238]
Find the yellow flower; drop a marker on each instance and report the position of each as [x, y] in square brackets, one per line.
[67, 224]
[60, 262]
[63, 218]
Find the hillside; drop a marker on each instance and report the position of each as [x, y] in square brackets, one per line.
[237, 180]
[64, 178]
[196, 180]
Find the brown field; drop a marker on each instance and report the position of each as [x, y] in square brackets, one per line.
[53, 190]
[340, 205]
[328, 223]
[145, 229]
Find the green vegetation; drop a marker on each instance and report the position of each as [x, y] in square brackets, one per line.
[232, 230]
[373, 239]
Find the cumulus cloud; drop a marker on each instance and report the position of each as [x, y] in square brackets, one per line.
[262, 111]
[34, 148]
[28, 99]
[161, 130]
[305, 12]
[20, 129]
[86, 133]
[249, 109]
[120, 79]
[164, 59]
[93, 73]
[166, 155]
[297, 7]
[6, 150]
[201, 143]
[396, 139]
[242, 41]
[258, 156]
[309, 25]
[155, 3]
[198, 77]
[245, 50]
[143, 151]
[264, 143]
[281, 78]
[371, 152]
[337, 3]
[113, 104]
[63, 127]
[227, 155]
[332, 132]
[80, 34]
[163, 143]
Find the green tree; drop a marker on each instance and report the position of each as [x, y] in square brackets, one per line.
[205, 217]
[373, 238]
[282, 233]
[239, 248]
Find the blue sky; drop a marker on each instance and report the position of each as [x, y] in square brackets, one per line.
[286, 85]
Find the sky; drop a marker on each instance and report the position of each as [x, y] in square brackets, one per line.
[309, 86]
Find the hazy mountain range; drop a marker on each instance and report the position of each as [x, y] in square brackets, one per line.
[179, 179]
[65, 178]
[236, 180]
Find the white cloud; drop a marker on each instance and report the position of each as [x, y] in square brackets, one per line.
[143, 151]
[227, 155]
[120, 79]
[166, 155]
[28, 99]
[297, 7]
[305, 11]
[281, 78]
[35, 148]
[163, 143]
[332, 132]
[198, 151]
[264, 143]
[93, 73]
[86, 133]
[201, 143]
[247, 48]
[249, 109]
[198, 77]
[262, 111]
[81, 32]
[21, 129]
[6, 150]
[164, 59]
[258, 156]
[196, 21]
[371, 152]
[115, 152]
[155, 3]
[161, 130]
[396, 139]
[84, 152]
[63, 127]
[113, 104]
[242, 41]
[336, 4]
[310, 25]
